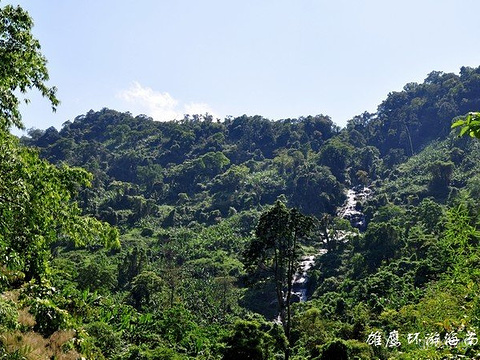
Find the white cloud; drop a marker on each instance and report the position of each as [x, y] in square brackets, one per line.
[160, 106]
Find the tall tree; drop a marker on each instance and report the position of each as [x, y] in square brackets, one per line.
[22, 65]
[275, 251]
[37, 206]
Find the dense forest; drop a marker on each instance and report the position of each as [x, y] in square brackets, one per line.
[122, 237]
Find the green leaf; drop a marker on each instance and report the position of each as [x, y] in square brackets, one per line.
[458, 123]
[464, 130]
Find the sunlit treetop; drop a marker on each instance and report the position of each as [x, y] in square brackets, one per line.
[22, 66]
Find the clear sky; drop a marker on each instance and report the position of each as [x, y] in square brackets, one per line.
[275, 58]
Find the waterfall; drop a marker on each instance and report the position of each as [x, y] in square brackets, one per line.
[350, 209]
[300, 279]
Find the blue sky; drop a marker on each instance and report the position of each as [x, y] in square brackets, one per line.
[274, 58]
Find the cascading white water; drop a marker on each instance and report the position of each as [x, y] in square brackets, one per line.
[350, 211]
[300, 279]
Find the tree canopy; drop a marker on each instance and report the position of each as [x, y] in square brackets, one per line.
[210, 238]
[22, 65]
[275, 252]
[37, 199]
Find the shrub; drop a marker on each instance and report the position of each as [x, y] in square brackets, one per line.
[8, 315]
[48, 317]
[105, 338]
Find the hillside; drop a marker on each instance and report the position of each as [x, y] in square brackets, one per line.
[208, 162]
[126, 238]
[189, 197]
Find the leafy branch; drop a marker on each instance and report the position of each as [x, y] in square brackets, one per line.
[469, 124]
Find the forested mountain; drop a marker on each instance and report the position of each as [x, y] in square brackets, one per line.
[245, 162]
[211, 167]
[188, 197]
[126, 238]
[410, 119]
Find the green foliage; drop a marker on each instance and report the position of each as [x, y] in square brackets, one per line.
[340, 349]
[190, 198]
[97, 274]
[38, 209]
[441, 176]
[132, 264]
[337, 156]
[408, 120]
[159, 353]
[461, 239]
[248, 341]
[429, 213]
[143, 287]
[23, 66]
[317, 191]
[185, 157]
[178, 327]
[468, 124]
[311, 330]
[8, 315]
[48, 317]
[184, 279]
[382, 243]
[105, 338]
